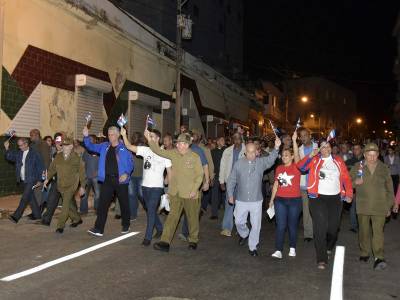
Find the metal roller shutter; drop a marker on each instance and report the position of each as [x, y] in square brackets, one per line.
[168, 117]
[137, 117]
[89, 100]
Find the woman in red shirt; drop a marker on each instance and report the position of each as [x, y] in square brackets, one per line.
[286, 199]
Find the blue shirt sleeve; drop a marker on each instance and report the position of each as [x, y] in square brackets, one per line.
[196, 149]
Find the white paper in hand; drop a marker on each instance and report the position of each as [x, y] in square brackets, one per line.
[164, 204]
[271, 212]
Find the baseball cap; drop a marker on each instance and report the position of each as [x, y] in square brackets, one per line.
[184, 138]
[371, 147]
[68, 141]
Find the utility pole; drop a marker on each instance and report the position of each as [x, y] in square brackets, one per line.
[178, 104]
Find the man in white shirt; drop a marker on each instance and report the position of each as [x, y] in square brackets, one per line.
[153, 182]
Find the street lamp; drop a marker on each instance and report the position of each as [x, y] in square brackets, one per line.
[312, 116]
[304, 99]
[358, 120]
[384, 122]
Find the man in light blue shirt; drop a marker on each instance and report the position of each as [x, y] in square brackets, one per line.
[245, 187]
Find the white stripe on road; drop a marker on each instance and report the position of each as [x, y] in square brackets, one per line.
[337, 274]
[66, 258]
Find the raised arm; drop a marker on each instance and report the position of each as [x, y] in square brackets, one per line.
[268, 161]
[156, 148]
[88, 144]
[295, 147]
[128, 145]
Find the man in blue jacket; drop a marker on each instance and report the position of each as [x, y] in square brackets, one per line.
[115, 168]
[29, 170]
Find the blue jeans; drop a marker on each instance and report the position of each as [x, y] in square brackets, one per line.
[287, 212]
[227, 222]
[135, 195]
[152, 197]
[91, 183]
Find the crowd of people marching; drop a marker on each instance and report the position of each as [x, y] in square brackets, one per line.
[289, 176]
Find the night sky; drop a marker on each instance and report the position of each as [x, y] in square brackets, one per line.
[348, 41]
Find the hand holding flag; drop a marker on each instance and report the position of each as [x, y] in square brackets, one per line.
[275, 130]
[122, 121]
[150, 122]
[298, 125]
[10, 133]
[331, 135]
[88, 119]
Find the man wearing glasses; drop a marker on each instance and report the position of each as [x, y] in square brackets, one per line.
[29, 169]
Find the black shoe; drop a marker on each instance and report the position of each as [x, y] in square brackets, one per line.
[146, 242]
[192, 246]
[59, 230]
[308, 240]
[214, 218]
[125, 230]
[161, 246]
[117, 217]
[41, 222]
[157, 235]
[364, 258]
[242, 241]
[253, 253]
[13, 219]
[380, 264]
[95, 232]
[353, 230]
[76, 224]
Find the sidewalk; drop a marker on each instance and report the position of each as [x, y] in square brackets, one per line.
[9, 204]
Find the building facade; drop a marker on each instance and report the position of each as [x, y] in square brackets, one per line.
[321, 104]
[63, 59]
[217, 31]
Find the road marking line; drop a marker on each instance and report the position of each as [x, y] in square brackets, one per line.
[66, 258]
[337, 274]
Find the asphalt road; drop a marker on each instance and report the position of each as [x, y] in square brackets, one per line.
[218, 269]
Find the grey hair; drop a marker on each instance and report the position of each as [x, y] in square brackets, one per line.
[114, 128]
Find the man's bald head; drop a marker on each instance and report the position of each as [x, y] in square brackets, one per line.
[251, 151]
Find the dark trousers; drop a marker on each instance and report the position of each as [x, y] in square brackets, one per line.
[395, 180]
[216, 198]
[110, 186]
[152, 197]
[325, 212]
[206, 199]
[52, 203]
[28, 197]
[287, 212]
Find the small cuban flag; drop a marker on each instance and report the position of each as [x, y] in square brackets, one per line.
[122, 121]
[298, 125]
[274, 129]
[10, 133]
[331, 135]
[150, 121]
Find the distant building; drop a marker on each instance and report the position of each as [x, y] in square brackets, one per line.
[321, 105]
[217, 37]
[273, 101]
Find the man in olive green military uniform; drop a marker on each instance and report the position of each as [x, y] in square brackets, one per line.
[375, 197]
[183, 189]
[70, 172]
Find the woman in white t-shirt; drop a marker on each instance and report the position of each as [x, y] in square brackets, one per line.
[328, 184]
[153, 182]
